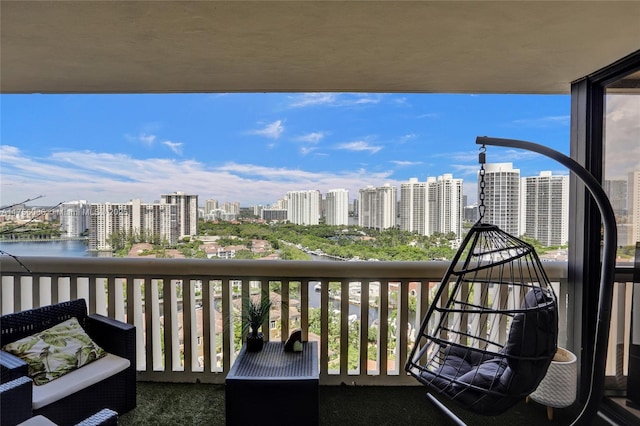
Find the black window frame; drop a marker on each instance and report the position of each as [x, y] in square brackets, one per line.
[587, 148]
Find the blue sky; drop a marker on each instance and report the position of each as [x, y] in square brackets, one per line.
[253, 148]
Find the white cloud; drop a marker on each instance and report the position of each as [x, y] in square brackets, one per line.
[461, 156]
[333, 99]
[406, 163]
[305, 150]
[313, 137]
[622, 135]
[402, 101]
[494, 155]
[511, 155]
[144, 138]
[272, 130]
[408, 137]
[310, 99]
[102, 177]
[359, 146]
[176, 147]
[365, 100]
[550, 121]
[465, 170]
[9, 152]
[429, 115]
[148, 139]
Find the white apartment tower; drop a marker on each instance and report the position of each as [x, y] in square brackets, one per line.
[303, 207]
[107, 219]
[74, 218]
[232, 208]
[432, 206]
[449, 211]
[377, 207]
[210, 205]
[337, 207]
[187, 211]
[155, 223]
[413, 207]
[545, 208]
[502, 196]
[281, 204]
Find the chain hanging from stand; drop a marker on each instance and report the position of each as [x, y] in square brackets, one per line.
[481, 183]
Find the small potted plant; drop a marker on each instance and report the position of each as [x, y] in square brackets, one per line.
[254, 313]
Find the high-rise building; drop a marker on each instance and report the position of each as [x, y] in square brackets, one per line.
[377, 207]
[337, 207]
[274, 215]
[210, 205]
[108, 221]
[303, 207]
[545, 208]
[231, 207]
[355, 207]
[281, 204]
[471, 213]
[155, 223]
[449, 205]
[187, 211]
[413, 206]
[617, 193]
[633, 206]
[74, 218]
[256, 210]
[501, 196]
[432, 206]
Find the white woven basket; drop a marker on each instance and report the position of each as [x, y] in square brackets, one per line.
[558, 388]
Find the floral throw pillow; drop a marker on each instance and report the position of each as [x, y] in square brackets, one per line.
[56, 351]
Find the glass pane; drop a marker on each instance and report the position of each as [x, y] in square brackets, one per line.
[622, 160]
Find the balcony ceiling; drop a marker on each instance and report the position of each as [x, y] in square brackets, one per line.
[280, 46]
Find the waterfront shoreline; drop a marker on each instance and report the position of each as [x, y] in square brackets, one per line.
[42, 240]
[49, 247]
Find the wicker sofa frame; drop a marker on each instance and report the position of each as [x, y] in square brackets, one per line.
[117, 392]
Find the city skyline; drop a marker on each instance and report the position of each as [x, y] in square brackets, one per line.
[254, 148]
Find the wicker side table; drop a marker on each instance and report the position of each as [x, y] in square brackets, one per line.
[559, 386]
[275, 385]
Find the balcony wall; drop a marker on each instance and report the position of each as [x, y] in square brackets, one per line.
[185, 317]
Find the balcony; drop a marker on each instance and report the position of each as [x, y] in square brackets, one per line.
[184, 314]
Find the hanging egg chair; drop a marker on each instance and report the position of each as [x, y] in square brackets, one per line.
[490, 334]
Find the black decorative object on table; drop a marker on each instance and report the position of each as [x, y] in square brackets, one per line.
[294, 342]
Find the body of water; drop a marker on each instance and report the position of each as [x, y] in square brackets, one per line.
[314, 302]
[60, 248]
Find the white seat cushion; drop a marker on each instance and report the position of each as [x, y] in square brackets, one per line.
[38, 421]
[78, 379]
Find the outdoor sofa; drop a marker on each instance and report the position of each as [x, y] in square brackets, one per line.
[108, 382]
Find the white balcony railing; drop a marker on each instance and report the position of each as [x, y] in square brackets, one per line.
[183, 309]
